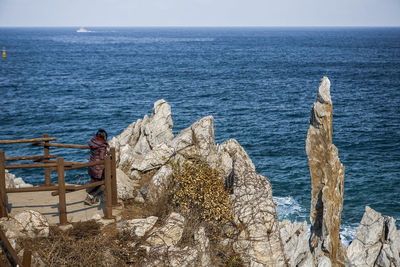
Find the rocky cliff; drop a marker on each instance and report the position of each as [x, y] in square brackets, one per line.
[148, 144]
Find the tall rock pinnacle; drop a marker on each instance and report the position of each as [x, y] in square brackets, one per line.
[327, 177]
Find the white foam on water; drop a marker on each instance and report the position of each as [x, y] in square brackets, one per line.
[347, 233]
[289, 209]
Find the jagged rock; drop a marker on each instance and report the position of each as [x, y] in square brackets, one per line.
[203, 135]
[137, 227]
[159, 128]
[15, 182]
[10, 180]
[26, 224]
[152, 160]
[198, 139]
[327, 177]
[183, 140]
[139, 195]
[33, 223]
[295, 241]
[170, 233]
[377, 242]
[142, 136]
[159, 183]
[323, 261]
[125, 186]
[203, 247]
[259, 243]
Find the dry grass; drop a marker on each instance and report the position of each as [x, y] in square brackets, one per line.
[196, 191]
[86, 244]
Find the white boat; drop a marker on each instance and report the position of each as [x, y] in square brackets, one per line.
[81, 29]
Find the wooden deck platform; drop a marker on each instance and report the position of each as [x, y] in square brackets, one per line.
[48, 205]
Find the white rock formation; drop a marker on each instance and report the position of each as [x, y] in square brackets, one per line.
[137, 227]
[159, 128]
[125, 186]
[259, 243]
[295, 241]
[377, 242]
[26, 224]
[203, 247]
[170, 233]
[15, 182]
[143, 136]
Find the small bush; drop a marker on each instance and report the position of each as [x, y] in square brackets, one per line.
[197, 189]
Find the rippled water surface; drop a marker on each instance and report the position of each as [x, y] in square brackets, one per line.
[258, 83]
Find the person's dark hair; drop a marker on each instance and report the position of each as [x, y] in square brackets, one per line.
[102, 134]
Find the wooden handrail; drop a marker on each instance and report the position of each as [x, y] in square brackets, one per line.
[72, 188]
[61, 145]
[70, 165]
[30, 166]
[60, 189]
[33, 158]
[32, 189]
[27, 140]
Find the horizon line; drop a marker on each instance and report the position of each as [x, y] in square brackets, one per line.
[214, 26]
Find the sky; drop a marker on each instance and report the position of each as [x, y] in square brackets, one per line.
[189, 13]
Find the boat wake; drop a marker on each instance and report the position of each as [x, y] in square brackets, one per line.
[81, 29]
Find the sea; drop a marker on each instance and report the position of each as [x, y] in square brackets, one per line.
[258, 83]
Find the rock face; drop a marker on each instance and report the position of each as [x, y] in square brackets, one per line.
[377, 242]
[26, 224]
[15, 182]
[144, 136]
[259, 241]
[170, 233]
[295, 241]
[125, 186]
[138, 152]
[137, 227]
[327, 177]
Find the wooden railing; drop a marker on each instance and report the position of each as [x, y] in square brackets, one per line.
[60, 166]
[11, 254]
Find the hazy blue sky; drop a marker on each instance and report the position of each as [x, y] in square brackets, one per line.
[199, 13]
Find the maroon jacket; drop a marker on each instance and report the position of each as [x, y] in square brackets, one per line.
[98, 149]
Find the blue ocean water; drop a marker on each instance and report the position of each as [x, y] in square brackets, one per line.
[258, 83]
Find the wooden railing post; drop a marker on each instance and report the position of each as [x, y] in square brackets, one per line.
[46, 153]
[27, 258]
[61, 191]
[3, 194]
[12, 254]
[114, 177]
[107, 174]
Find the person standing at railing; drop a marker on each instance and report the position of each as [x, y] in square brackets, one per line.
[98, 149]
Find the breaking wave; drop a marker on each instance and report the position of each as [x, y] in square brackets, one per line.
[347, 233]
[289, 209]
